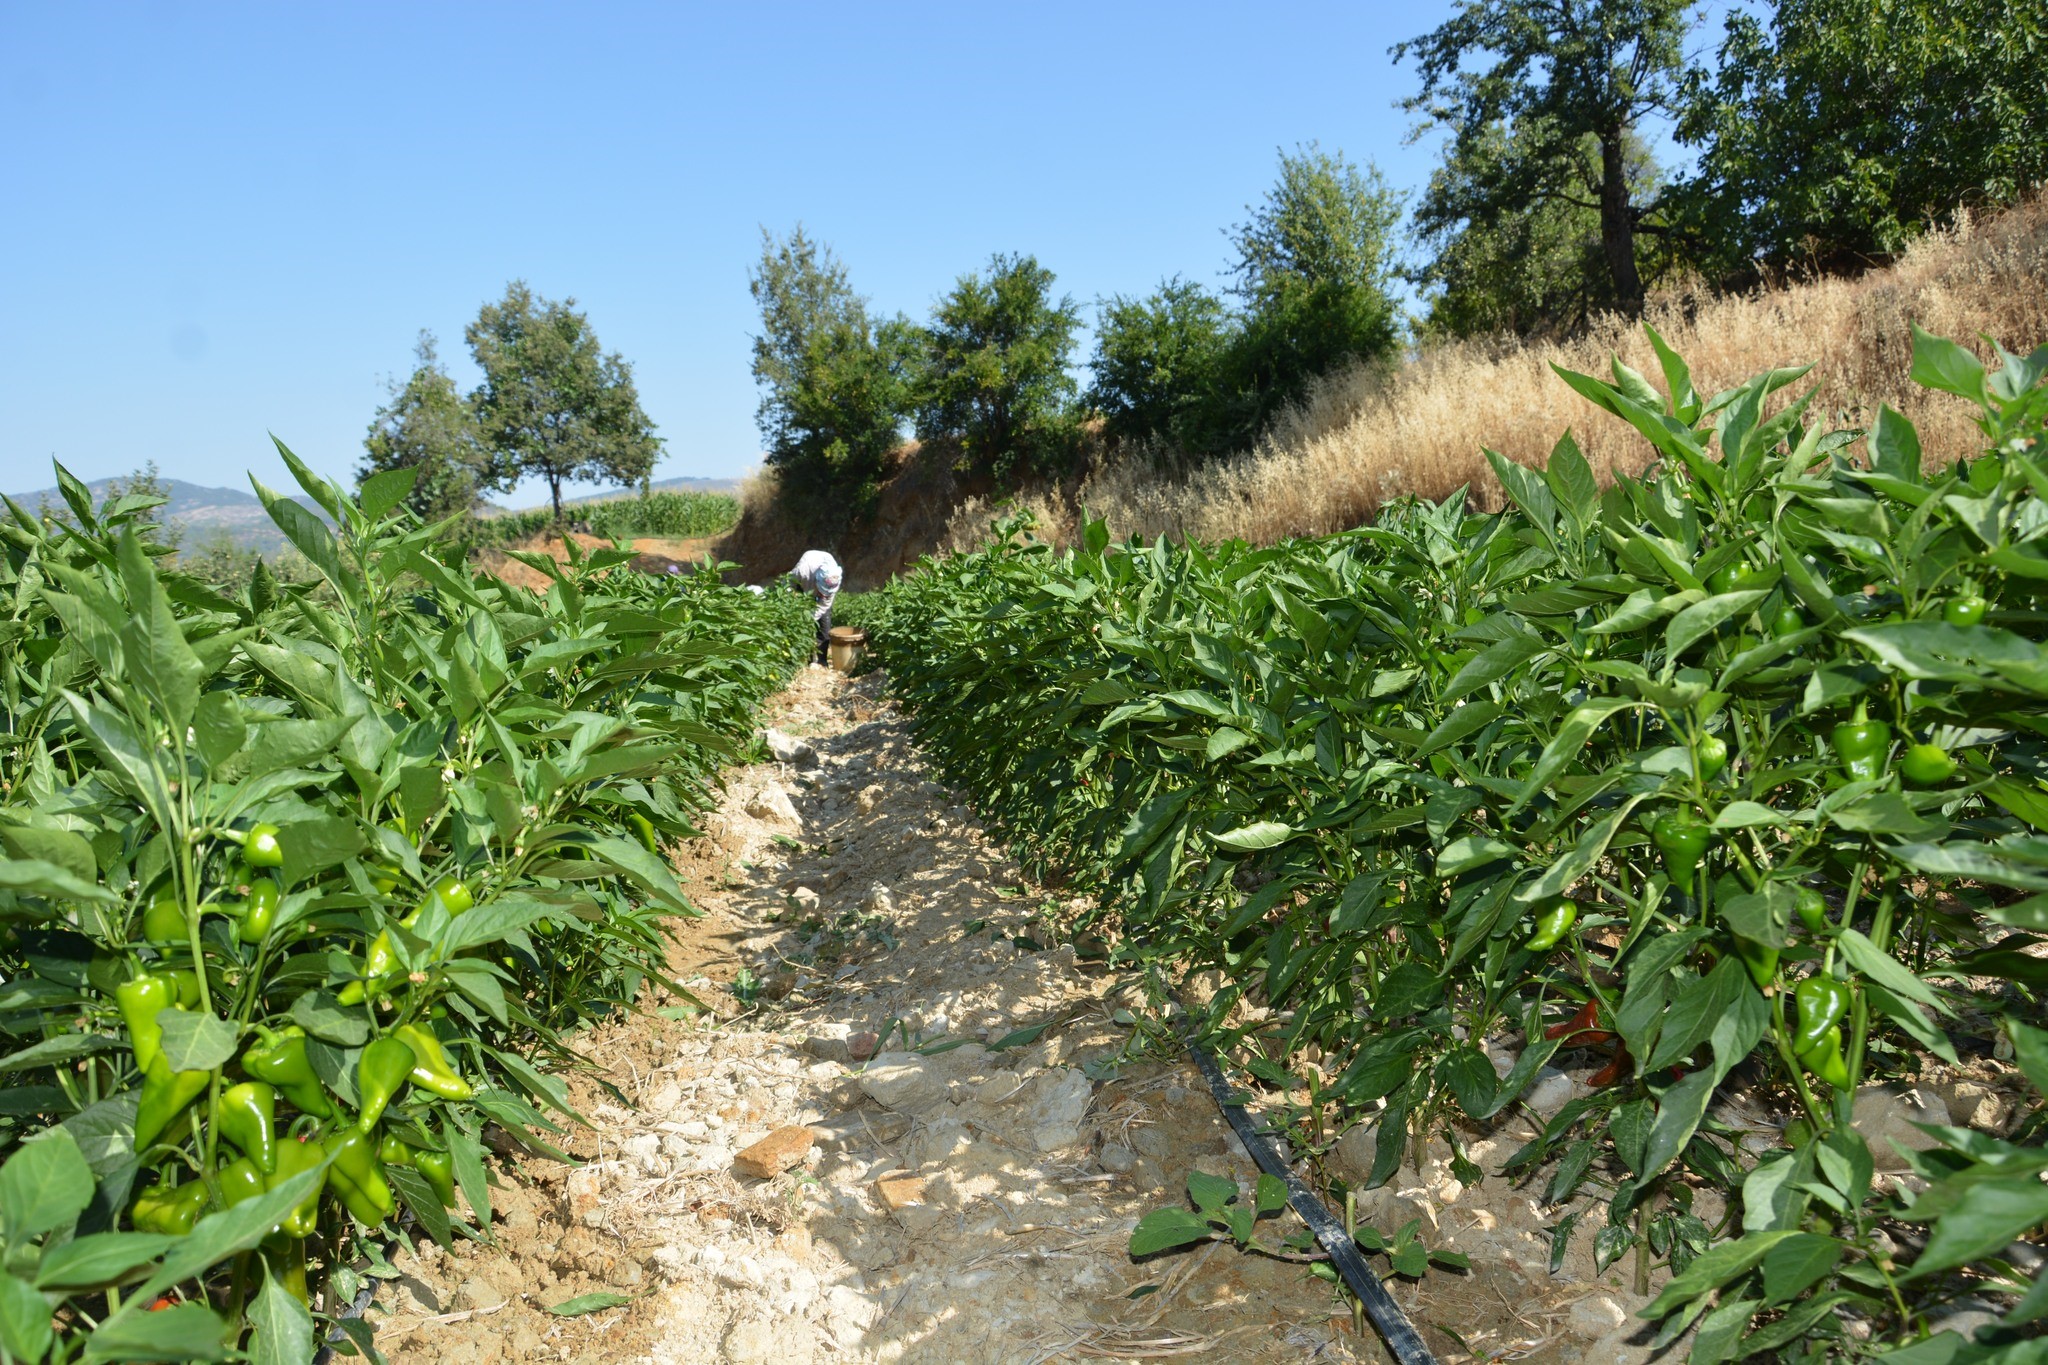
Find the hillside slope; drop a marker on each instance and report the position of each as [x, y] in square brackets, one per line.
[1362, 438]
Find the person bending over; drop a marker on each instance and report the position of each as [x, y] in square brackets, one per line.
[819, 574]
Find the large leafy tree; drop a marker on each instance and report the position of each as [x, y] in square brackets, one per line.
[553, 404]
[1496, 261]
[1558, 72]
[1834, 130]
[835, 382]
[1157, 363]
[995, 376]
[427, 424]
[1314, 263]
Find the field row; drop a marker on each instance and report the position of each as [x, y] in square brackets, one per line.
[302, 888]
[1734, 774]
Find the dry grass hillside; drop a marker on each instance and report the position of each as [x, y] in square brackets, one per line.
[1363, 437]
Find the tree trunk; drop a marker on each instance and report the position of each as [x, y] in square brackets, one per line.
[1617, 226]
[555, 492]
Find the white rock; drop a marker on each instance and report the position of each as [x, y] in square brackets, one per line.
[1055, 1103]
[879, 900]
[798, 753]
[1596, 1316]
[903, 1081]
[1885, 1115]
[644, 1151]
[772, 804]
[1551, 1092]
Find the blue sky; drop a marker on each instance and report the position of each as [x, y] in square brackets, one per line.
[228, 220]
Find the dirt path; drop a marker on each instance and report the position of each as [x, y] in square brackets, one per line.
[970, 1202]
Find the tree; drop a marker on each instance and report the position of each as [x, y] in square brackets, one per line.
[1314, 265]
[1557, 72]
[1498, 263]
[995, 370]
[552, 404]
[1157, 363]
[1843, 128]
[428, 425]
[836, 387]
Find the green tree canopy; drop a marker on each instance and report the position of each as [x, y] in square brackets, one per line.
[995, 375]
[427, 424]
[1557, 72]
[1497, 258]
[1839, 128]
[1157, 363]
[552, 404]
[835, 385]
[1314, 266]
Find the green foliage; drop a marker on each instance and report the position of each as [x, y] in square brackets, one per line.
[429, 426]
[676, 516]
[1834, 131]
[355, 747]
[221, 563]
[1158, 364]
[1364, 777]
[552, 405]
[836, 383]
[993, 374]
[1511, 243]
[1556, 76]
[1313, 269]
[1314, 265]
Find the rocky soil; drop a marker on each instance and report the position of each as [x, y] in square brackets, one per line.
[904, 1129]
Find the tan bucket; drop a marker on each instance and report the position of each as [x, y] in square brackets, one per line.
[844, 645]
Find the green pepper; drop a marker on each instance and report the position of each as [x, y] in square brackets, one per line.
[1761, 959]
[1861, 744]
[1824, 1059]
[165, 1093]
[359, 1178]
[260, 847]
[439, 1170]
[1813, 910]
[643, 827]
[1965, 610]
[163, 922]
[385, 1066]
[284, 1258]
[185, 982]
[140, 1001]
[449, 893]
[1736, 577]
[1551, 925]
[240, 1180]
[1710, 756]
[1683, 841]
[296, 1155]
[248, 1118]
[1822, 1002]
[169, 1209]
[431, 1068]
[279, 1057]
[262, 910]
[385, 879]
[1789, 621]
[1926, 765]
[453, 896]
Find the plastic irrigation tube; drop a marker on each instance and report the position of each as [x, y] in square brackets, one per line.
[1401, 1337]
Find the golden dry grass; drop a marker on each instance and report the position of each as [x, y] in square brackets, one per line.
[1363, 438]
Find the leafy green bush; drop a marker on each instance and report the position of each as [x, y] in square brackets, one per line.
[302, 887]
[1736, 769]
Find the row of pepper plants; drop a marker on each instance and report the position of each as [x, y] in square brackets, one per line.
[301, 890]
[1733, 773]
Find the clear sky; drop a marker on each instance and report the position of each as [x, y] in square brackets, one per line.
[225, 220]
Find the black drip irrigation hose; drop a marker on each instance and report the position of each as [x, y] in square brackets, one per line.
[1402, 1339]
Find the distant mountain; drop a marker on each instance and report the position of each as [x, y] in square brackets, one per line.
[202, 512]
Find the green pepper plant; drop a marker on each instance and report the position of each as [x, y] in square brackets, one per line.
[301, 888]
[1731, 774]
